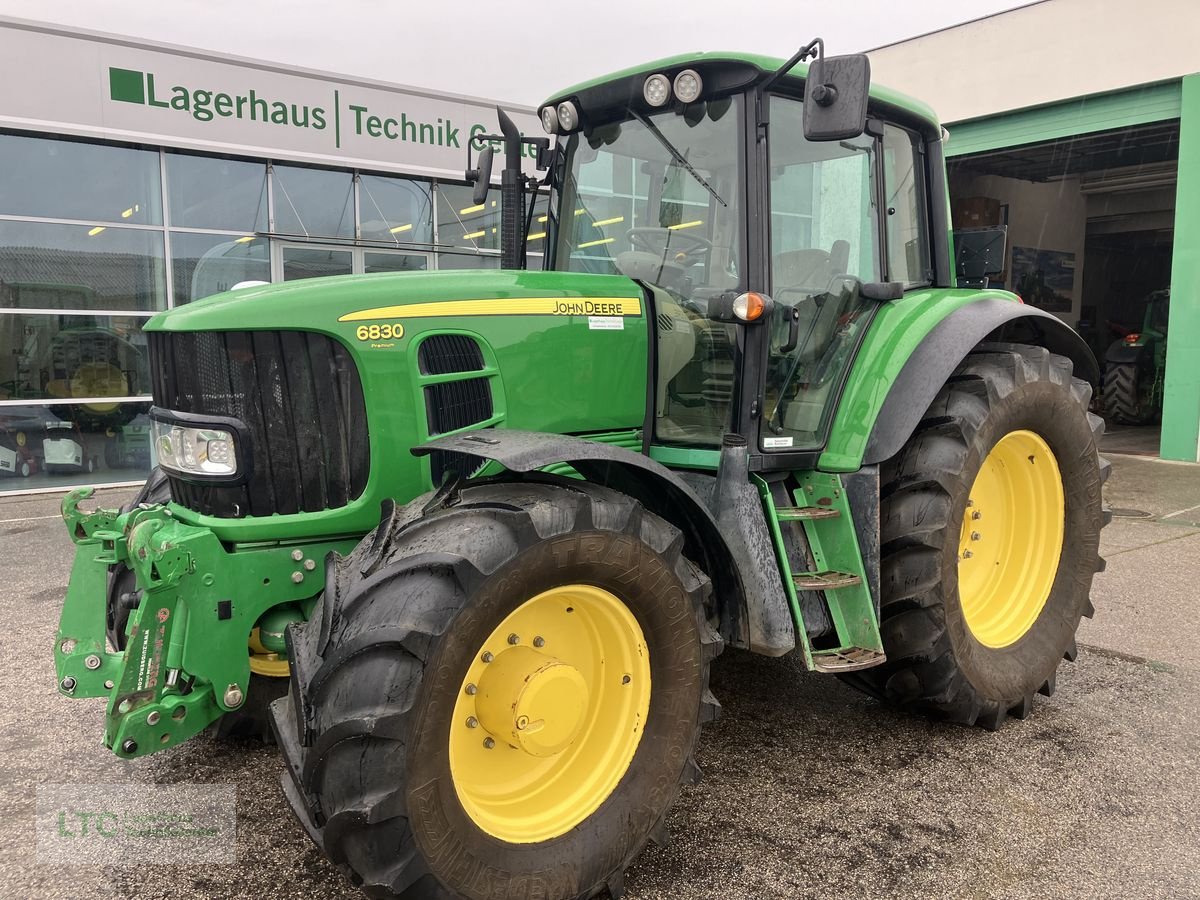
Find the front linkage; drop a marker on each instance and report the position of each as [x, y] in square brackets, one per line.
[187, 660]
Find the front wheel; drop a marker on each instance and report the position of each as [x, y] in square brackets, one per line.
[990, 531]
[500, 699]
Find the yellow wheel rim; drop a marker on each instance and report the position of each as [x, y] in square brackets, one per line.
[550, 714]
[1011, 541]
[264, 662]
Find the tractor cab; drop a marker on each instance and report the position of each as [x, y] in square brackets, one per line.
[743, 201]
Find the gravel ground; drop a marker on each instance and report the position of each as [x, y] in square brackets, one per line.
[811, 790]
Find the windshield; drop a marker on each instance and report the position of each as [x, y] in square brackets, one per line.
[656, 198]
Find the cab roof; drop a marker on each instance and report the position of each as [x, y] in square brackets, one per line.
[750, 67]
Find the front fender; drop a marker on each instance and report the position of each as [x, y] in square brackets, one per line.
[913, 348]
[656, 487]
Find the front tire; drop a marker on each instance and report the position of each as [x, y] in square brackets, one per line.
[990, 531]
[413, 781]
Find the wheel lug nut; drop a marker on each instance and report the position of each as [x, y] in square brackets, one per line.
[487, 656]
[967, 554]
[522, 723]
[539, 641]
[472, 690]
[514, 639]
[977, 515]
[488, 743]
[975, 535]
[472, 722]
[626, 679]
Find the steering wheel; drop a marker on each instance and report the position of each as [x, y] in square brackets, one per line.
[659, 240]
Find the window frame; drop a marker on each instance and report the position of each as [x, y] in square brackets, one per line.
[790, 458]
[923, 204]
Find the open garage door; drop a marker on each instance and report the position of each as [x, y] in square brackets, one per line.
[1090, 238]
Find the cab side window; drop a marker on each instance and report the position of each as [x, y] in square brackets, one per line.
[824, 242]
[907, 201]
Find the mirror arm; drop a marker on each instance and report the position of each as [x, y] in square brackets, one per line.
[814, 48]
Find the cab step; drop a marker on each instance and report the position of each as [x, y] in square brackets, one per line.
[825, 581]
[847, 659]
[816, 513]
[805, 513]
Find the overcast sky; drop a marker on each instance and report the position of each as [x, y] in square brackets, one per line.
[520, 56]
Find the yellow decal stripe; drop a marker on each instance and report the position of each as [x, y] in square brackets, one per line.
[514, 306]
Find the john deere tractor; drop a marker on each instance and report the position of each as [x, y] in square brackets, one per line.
[492, 528]
[1135, 366]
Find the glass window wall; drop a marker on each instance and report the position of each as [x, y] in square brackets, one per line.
[48, 266]
[59, 179]
[313, 202]
[96, 238]
[203, 263]
[222, 194]
[395, 209]
[56, 445]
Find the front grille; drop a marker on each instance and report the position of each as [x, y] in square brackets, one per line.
[456, 404]
[300, 398]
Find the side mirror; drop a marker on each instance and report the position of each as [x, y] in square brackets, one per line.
[482, 176]
[835, 97]
[979, 254]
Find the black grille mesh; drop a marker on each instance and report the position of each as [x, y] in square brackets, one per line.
[300, 398]
[456, 404]
[443, 354]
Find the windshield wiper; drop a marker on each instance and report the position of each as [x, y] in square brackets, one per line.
[677, 156]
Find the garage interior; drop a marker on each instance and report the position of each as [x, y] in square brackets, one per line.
[1090, 232]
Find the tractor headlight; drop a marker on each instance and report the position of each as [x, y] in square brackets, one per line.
[196, 449]
[688, 86]
[549, 120]
[568, 116]
[657, 89]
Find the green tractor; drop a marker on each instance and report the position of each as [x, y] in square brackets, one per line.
[1135, 365]
[492, 528]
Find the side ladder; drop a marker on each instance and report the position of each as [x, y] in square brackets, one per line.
[822, 509]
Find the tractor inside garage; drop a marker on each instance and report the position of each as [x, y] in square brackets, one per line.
[1090, 221]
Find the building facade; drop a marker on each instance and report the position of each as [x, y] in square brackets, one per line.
[137, 177]
[1076, 123]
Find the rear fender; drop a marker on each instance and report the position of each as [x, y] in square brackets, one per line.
[947, 344]
[1120, 353]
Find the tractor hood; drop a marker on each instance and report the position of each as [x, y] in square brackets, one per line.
[435, 353]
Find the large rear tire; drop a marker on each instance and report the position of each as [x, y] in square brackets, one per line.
[1123, 395]
[990, 531]
[402, 764]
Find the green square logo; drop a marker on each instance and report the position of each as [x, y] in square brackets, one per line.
[126, 85]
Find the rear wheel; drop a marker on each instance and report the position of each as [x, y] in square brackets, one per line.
[499, 699]
[1123, 401]
[991, 519]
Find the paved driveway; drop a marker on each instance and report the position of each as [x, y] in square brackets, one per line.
[811, 790]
